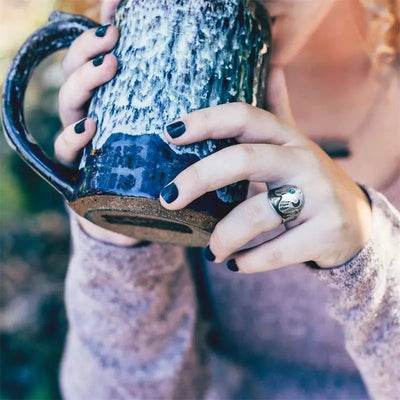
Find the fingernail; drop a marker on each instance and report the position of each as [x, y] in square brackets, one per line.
[102, 30]
[176, 129]
[232, 266]
[80, 127]
[170, 193]
[98, 60]
[208, 254]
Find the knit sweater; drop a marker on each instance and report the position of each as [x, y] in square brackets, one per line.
[155, 322]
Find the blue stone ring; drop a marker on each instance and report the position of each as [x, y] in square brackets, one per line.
[287, 201]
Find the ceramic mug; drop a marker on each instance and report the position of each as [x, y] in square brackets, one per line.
[174, 57]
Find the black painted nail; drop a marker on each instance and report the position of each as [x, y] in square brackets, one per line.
[102, 30]
[208, 254]
[232, 266]
[98, 60]
[176, 129]
[80, 127]
[170, 193]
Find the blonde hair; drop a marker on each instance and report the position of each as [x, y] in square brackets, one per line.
[383, 40]
[89, 8]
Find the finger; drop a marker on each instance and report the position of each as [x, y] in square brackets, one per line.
[291, 247]
[88, 46]
[108, 8]
[244, 223]
[78, 89]
[242, 121]
[73, 139]
[254, 162]
[278, 97]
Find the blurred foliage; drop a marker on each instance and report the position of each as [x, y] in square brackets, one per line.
[34, 226]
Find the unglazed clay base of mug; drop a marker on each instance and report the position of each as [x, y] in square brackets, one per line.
[146, 219]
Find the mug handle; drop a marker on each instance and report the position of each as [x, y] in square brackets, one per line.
[61, 30]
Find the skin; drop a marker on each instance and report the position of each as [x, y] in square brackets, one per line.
[291, 18]
[335, 222]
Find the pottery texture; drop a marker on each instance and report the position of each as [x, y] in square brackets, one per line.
[174, 57]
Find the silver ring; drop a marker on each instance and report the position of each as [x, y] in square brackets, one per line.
[287, 201]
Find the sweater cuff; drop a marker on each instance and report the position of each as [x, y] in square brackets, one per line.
[366, 270]
[143, 260]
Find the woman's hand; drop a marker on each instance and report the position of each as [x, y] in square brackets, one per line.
[334, 224]
[87, 65]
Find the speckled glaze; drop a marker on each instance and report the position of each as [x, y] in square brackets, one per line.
[174, 57]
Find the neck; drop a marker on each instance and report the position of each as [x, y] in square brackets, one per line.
[329, 82]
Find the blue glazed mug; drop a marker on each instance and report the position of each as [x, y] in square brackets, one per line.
[175, 57]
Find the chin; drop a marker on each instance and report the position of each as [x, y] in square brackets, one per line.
[283, 57]
[286, 44]
[278, 60]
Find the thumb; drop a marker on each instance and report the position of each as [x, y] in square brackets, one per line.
[278, 98]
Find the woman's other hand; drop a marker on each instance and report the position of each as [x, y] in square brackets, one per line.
[87, 65]
[334, 224]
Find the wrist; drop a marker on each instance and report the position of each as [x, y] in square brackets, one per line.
[356, 232]
[105, 235]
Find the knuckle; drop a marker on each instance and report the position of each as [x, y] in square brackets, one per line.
[307, 158]
[85, 75]
[340, 224]
[253, 213]
[61, 147]
[272, 259]
[72, 59]
[218, 242]
[276, 256]
[57, 144]
[203, 119]
[64, 99]
[249, 151]
[64, 65]
[334, 225]
[327, 195]
[65, 140]
[245, 154]
[242, 111]
[196, 174]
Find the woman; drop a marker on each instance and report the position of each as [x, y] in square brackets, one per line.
[329, 328]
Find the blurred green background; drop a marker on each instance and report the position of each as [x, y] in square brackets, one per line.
[34, 241]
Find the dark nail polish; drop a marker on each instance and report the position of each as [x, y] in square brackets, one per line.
[98, 60]
[232, 266]
[208, 254]
[176, 129]
[80, 127]
[102, 30]
[170, 193]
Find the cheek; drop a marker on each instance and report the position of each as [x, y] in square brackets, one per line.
[295, 26]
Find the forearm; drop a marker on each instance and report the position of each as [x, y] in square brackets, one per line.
[132, 323]
[367, 302]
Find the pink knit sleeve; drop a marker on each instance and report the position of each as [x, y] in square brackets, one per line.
[367, 302]
[132, 323]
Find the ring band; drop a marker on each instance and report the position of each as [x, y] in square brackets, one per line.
[287, 201]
